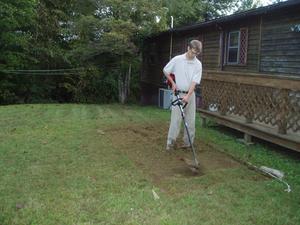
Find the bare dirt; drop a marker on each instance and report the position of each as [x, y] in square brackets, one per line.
[145, 146]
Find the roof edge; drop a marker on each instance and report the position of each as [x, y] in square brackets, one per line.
[232, 17]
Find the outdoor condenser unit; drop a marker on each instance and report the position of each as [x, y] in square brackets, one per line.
[165, 97]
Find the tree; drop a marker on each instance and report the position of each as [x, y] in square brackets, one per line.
[109, 32]
[192, 11]
[16, 22]
[248, 4]
[50, 44]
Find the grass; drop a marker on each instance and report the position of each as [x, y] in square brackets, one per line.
[56, 167]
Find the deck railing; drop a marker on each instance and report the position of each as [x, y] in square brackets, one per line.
[265, 99]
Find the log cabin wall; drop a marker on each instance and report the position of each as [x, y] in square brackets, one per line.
[280, 43]
[211, 49]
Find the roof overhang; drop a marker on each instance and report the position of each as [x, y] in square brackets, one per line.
[234, 17]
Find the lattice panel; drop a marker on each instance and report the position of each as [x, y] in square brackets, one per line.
[293, 116]
[243, 45]
[270, 106]
[265, 105]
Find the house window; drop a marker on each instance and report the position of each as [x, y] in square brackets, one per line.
[237, 47]
[233, 47]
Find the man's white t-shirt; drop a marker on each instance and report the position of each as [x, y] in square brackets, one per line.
[186, 71]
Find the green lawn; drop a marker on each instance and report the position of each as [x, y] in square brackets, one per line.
[65, 164]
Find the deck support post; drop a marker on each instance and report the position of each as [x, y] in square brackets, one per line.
[204, 124]
[248, 139]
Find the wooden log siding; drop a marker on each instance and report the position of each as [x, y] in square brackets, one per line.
[280, 46]
[179, 45]
[255, 98]
[211, 49]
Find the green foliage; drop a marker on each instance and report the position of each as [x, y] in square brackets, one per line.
[191, 11]
[249, 4]
[183, 12]
[15, 24]
[6, 95]
[116, 26]
[49, 46]
[110, 36]
[94, 86]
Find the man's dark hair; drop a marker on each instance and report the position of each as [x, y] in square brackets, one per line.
[195, 44]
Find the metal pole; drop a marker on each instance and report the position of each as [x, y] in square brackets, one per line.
[171, 41]
[188, 134]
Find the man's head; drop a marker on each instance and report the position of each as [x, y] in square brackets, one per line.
[194, 48]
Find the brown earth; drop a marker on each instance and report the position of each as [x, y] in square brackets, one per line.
[145, 146]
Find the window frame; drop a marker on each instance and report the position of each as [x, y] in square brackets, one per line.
[233, 47]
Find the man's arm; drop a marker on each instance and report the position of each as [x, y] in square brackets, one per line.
[168, 70]
[174, 87]
[190, 92]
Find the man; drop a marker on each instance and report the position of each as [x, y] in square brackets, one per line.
[188, 72]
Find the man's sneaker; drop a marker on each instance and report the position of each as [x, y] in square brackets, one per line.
[170, 147]
[185, 146]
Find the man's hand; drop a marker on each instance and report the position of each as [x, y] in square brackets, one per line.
[186, 98]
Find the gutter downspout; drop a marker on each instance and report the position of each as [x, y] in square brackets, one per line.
[222, 44]
[171, 41]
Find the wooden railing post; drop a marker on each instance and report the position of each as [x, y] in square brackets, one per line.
[283, 109]
[223, 104]
[248, 98]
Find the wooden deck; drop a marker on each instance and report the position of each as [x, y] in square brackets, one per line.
[266, 107]
[290, 140]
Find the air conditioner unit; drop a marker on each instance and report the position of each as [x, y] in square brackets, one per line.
[165, 97]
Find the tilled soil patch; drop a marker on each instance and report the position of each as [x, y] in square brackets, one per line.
[145, 146]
